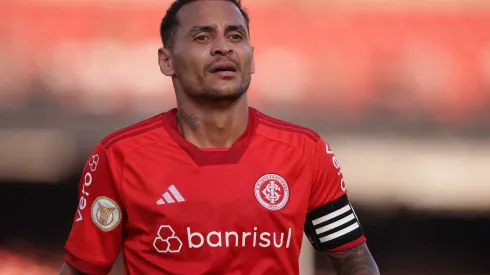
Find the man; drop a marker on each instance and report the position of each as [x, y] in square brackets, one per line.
[213, 186]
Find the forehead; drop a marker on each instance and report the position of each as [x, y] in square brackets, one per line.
[209, 12]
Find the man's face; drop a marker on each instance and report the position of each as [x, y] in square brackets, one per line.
[211, 56]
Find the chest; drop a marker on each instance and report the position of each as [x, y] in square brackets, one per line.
[268, 187]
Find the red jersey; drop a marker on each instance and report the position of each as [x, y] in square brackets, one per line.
[176, 209]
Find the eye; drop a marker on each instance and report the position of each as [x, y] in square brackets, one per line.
[201, 38]
[235, 37]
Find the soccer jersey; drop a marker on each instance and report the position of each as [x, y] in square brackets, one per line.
[174, 208]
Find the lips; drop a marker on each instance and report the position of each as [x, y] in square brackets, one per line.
[223, 67]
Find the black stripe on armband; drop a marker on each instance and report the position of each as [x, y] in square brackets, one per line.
[332, 225]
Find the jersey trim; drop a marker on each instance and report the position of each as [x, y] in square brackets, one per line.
[215, 157]
[333, 225]
[124, 132]
[153, 126]
[286, 126]
[86, 267]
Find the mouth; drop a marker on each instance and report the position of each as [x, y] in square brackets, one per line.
[224, 69]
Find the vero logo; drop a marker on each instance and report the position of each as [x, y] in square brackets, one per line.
[171, 196]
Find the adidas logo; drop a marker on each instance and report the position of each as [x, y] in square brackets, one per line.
[167, 198]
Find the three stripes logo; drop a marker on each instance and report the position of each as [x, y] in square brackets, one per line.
[171, 196]
[335, 224]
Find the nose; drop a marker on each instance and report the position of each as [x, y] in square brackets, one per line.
[221, 47]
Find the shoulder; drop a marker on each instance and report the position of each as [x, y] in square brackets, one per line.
[287, 132]
[135, 136]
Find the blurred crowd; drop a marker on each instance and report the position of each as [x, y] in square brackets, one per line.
[355, 62]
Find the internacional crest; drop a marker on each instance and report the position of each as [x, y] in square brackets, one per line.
[272, 191]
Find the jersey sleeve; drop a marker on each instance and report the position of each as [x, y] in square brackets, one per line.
[331, 223]
[95, 238]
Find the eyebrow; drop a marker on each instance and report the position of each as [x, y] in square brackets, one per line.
[205, 28]
[197, 28]
[238, 28]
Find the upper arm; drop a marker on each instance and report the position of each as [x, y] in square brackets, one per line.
[331, 223]
[95, 238]
[355, 261]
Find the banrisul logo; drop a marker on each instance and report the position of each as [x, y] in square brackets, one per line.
[168, 241]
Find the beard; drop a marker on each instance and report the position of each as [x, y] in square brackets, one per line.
[216, 95]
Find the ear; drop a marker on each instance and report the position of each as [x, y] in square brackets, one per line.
[252, 66]
[165, 62]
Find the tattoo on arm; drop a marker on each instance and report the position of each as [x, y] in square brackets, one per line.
[356, 261]
[191, 120]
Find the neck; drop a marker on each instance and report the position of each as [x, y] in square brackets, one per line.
[212, 127]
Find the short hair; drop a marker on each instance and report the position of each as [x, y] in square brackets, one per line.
[170, 22]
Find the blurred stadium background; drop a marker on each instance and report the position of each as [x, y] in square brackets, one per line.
[400, 88]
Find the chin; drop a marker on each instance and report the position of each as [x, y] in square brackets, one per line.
[223, 93]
